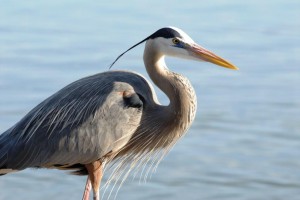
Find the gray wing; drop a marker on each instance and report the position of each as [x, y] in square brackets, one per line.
[79, 124]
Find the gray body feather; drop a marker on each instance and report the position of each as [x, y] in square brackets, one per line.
[81, 123]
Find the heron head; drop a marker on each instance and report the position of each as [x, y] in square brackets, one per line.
[174, 42]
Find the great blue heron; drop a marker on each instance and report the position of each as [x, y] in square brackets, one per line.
[113, 115]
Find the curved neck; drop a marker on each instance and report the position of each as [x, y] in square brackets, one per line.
[181, 94]
[160, 74]
[161, 126]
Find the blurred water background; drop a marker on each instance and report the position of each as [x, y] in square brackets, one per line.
[245, 142]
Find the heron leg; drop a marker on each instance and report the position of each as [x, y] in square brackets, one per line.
[95, 170]
[88, 187]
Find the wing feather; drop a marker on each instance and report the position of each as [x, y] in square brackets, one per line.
[78, 124]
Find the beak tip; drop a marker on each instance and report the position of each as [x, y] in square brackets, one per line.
[235, 68]
[208, 56]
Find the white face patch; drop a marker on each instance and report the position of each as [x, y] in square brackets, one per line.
[184, 36]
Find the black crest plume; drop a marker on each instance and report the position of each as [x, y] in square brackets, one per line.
[128, 50]
[163, 32]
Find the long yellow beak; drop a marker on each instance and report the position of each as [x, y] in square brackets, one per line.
[208, 56]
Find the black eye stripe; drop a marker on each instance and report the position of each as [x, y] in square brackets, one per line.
[165, 33]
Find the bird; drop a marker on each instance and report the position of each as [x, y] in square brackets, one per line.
[108, 117]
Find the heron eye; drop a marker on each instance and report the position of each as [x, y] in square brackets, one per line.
[175, 41]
